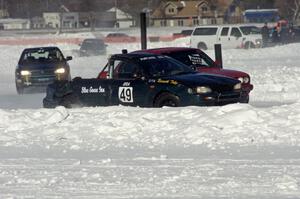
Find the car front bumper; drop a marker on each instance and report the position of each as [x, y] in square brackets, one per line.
[38, 81]
[215, 99]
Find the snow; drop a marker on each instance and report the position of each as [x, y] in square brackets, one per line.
[235, 151]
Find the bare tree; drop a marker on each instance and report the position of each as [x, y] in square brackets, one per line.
[289, 9]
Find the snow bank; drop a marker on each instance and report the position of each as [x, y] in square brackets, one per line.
[234, 151]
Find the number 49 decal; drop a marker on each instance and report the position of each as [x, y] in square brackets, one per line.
[125, 94]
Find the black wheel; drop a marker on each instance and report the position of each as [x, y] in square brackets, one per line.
[70, 101]
[202, 46]
[20, 89]
[245, 100]
[167, 99]
[249, 45]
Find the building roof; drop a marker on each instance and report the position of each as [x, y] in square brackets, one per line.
[12, 20]
[190, 8]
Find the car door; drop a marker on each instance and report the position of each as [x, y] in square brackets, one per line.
[92, 92]
[128, 86]
[224, 37]
[235, 38]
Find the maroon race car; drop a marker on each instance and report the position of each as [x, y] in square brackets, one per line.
[201, 62]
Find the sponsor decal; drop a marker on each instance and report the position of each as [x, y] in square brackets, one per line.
[92, 90]
[167, 82]
[195, 59]
[147, 58]
[126, 84]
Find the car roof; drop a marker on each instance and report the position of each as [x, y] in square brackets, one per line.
[39, 48]
[93, 39]
[133, 56]
[165, 50]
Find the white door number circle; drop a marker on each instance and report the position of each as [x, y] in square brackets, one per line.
[125, 94]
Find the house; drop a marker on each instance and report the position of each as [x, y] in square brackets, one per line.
[38, 23]
[14, 24]
[123, 19]
[196, 12]
[4, 13]
[61, 19]
[97, 19]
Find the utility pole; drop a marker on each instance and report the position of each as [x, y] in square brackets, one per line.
[116, 14]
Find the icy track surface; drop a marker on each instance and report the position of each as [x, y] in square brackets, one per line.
[240, 151]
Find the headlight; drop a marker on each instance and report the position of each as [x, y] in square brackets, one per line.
[25, 72]
[244, 80]
[258, 41]
[237, 86]
[203, 90]
[60, 71]
[241, 79]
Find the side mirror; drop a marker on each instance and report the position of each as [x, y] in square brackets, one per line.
[68, 58]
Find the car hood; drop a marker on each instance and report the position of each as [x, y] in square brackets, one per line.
[225, 72]
[203, 79]
[36, 66]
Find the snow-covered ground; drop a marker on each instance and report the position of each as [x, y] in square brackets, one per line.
[235, 151]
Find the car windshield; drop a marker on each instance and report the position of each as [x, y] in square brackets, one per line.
[192, 58]
[92, 45]
[162, 66]
[250, 30]
[40, 55]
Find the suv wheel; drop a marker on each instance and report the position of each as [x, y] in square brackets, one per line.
[167, 99]
[249, 45]
[202, 46]
[20, 90]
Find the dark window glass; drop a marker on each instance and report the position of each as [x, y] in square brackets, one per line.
[192, 58]
[225, 31]
[236, 32]
[205, 31]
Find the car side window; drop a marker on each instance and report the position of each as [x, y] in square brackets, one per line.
[205, 31]
[236, 32]
[125, 70]
[224, 31]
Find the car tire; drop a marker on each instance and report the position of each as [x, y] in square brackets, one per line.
[20, 90]
[249, 45]
[202, 46]
[70, 101]
[245, 100]
[166, 99]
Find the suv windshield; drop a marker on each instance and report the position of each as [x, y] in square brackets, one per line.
[247, 30]
[192, 58]
[39, 55]
[162, 66]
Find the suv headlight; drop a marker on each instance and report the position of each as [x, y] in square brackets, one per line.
[203, 90]
[60, 70]
[237, 86]
[25, 72]
[258, 41]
